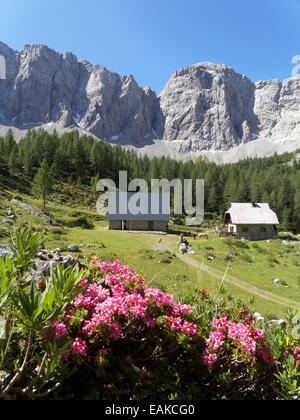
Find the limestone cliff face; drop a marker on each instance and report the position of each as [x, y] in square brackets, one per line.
[211, 107]
[208, 106]
[203, 107]
[277, 106]
[44, 86]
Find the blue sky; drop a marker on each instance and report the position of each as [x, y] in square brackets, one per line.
[152, 38]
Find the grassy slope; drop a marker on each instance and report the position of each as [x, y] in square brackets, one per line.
[151, 258]
[258, 264]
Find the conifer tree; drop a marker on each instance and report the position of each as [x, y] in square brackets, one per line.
[12, 161]
[43, 182]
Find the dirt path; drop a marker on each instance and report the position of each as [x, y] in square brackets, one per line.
[166, 244]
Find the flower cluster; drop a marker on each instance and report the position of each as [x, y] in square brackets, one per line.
[79, 347]
[115, 298]
[60, 329]
[296, 355]
[242, 336]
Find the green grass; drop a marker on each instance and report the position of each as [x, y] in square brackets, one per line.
[160, 268]
[153, 257]
[257, 263]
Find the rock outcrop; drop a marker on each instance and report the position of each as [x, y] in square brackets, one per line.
[43, 262]
[204, 107]
[211, 107]
[5, 251]
[46, 260]
[208, 106]
[43, 86]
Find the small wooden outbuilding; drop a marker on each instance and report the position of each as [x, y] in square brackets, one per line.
[139, 211]
[251, 221]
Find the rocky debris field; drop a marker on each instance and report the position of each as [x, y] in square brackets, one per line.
[44, 261]
[33, 211]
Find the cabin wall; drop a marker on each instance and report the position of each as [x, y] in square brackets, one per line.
[160, 226]
[255, 232]
[139, 225]
[115, 225]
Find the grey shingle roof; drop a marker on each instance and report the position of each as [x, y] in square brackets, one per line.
[155, 206]
[252, 214]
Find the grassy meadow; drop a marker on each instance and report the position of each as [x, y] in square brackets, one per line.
[155, 257]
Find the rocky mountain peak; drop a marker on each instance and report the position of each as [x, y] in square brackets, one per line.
[208, 106]
[203, 107]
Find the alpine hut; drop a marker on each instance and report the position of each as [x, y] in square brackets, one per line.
[251, 221]
[139, 211]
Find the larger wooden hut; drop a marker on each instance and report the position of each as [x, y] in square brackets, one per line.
[139, 211]
[251, 221]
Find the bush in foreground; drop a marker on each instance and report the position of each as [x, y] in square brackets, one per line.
[104, 334]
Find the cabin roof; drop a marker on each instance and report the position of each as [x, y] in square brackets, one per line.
[151, 206]
[252, 214]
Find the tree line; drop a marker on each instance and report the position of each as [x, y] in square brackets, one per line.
[84, 160]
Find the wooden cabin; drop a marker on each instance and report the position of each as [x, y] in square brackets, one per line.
[139, 211]
[251, 221]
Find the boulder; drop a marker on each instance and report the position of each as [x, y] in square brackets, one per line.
[41, 268]
[183, 249]
[5, 250]
[259, 317]
[73, 248]
[46, 260]
[6, 222]
[280, 322]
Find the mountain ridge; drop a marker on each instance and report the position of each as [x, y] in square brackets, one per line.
[204, 108]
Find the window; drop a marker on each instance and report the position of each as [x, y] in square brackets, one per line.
[245, 229]
[263, 230]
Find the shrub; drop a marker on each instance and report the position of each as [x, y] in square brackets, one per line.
[247, 258]
[4, 232]
[165, 261]
[57, 231]
[81, 221]
[272, 260]
[104, 334]
[128, 331]
[17, 197]
[144, 345]
[240, 244]
[76, 214]
[30, 356]
[209, 248]
[229, 258]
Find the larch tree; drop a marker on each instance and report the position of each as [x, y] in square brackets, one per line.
[43, 182]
